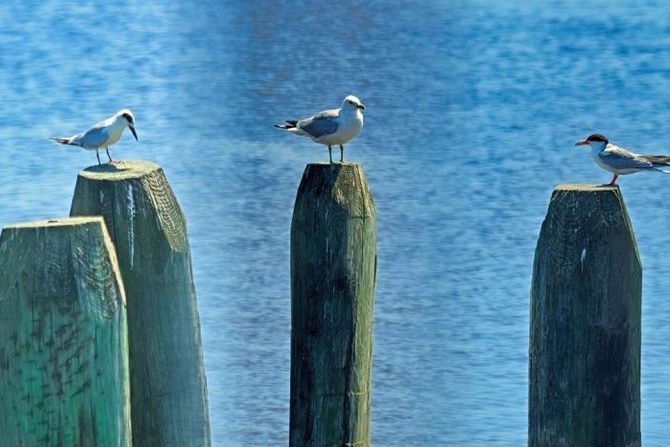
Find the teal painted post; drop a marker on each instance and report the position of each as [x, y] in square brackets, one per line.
[63, 338]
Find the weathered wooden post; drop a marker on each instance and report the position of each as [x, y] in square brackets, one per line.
[584, 353]
[63, 341]
[167, 376]
[333, 267]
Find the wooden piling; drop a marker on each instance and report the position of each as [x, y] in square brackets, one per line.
[63, 337]
[168, 386]
[333, 267]
[584, 352]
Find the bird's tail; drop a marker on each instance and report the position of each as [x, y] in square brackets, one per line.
[289, 125]
[62, 140]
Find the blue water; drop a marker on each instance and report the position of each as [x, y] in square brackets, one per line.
[473, 108]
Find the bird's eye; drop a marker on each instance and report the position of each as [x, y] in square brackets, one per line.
[351, 102]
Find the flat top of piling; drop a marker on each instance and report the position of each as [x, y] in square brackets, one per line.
[582, 187]
[341, 185]
[58, 222]
[325, 163]
[333, 169]
[119, 170]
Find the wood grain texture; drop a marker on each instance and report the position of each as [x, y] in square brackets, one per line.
[584, 352]
[333, 267]
[63, 337]
[168, 385]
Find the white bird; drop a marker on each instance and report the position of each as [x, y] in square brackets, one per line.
[103, 134]
[331, 127]
[620, 161]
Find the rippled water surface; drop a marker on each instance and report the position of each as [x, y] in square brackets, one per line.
[472, 110]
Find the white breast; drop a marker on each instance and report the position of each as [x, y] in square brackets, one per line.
[595, 153]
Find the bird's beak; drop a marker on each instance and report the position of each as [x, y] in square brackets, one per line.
[360, 106]
[581, 143]
[132, 129]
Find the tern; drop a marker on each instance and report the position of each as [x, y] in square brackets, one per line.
[103, 134]
[331, 127]
[620, 161]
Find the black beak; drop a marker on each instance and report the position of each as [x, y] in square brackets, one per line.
[360, 106]
[132, 129]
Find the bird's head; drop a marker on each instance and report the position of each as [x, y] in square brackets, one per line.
[127, 115]
[595, 140]
[351, 102]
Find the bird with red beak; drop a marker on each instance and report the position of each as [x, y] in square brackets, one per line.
[620, 161]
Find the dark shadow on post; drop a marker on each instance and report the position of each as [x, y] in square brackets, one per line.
[333, 266]
[584, 351]
[168, 386]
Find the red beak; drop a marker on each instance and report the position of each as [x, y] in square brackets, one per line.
[581, 143]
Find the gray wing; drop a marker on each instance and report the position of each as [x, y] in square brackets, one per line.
[92, 138]
[619, 158]
[319, 125]
[658, 160]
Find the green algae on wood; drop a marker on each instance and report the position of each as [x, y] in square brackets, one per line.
[63, 336]
[169, 390]
[333, 267]
[584, 350]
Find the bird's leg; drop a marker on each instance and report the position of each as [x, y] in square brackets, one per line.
[98, 155]
[110, 157]
[330, 154]
[341, 154]
[613, 182]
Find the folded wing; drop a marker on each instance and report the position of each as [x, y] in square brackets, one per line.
[324, 123]
[621, 159]
[92, 138]
[658, 160]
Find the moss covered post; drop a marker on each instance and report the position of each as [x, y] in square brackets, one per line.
[333, 267]
[63, 339]
[167, 375]
[584, 352]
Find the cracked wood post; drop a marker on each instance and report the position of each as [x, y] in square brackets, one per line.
[63, 341]
[584, 351]
[167, 375]
[333, 267]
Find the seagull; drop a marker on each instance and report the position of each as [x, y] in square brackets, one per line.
[331, 127]
[103, 134]
[620, 161]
